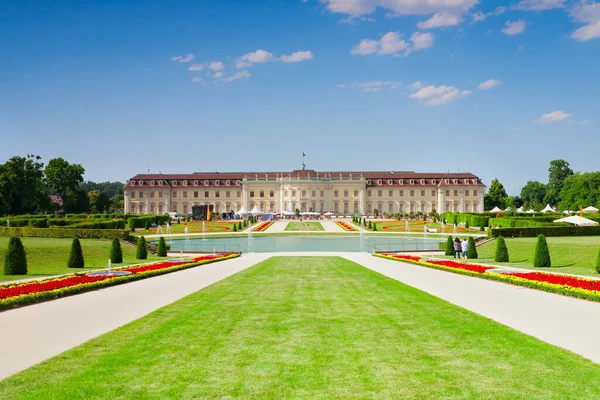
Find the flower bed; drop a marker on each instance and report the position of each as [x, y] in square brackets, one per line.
[262, 227]
[345, 226]
[37, 291]
[561, 284]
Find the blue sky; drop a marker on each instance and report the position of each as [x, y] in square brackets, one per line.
[491, 87]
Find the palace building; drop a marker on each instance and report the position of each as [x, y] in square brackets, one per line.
[340, 192]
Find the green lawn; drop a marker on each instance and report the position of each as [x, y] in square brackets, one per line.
[304, 226]
[573, 254]
[310, 328]
[49, 256]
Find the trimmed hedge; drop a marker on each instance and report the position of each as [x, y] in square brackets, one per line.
[161, 251]
[76, 255]
[116, 254]
[141, 252]
[548, 231]
[472, 251]
[64, 233]
[449, 247]
[501, 254]
[541, 258]
[15, 261]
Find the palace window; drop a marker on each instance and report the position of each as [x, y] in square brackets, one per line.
[412, 181]
[132, 183]
[262, 193]
[195, 195]
[151, 195]
[322, 193]
[314, 194]
[206, 194]
[368, 181]
[206, 182]
[447, 193]
[447, 181]
[466, 181]
[379, 193]
[174, 183]
[133, 195]
[160, 208]
[390, 193]
[455, 181]
[185, 195]
[141, 183]
[174, 195]
[335, 193]
[141, 195]
[239, 194]
[380, 182]
[304, 193]
[455, 192]
[238, 182]
[217, 182]
[401, 181]
[356, 193]
[474, 192]
[474, 181]
[160, 195]
[466, 192]
[422, 181]
[402, 193]
[412, 193]
[228, 194]
[293, 193]
[285, 193]
[369, 193]
[252, 193]
[422, 193]
[271, 193]
[227, 182]
[390, 181]
[151, 183]
[217, 194]
[184, 183]
[433, 193]
[195, 183]
[345, 193]
[433, 181]
[152, 208]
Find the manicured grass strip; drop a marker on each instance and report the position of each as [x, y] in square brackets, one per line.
[304, 226]
[310, 328]
[49, 256]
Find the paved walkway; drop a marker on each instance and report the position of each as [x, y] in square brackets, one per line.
[32, 334]
[559, 320]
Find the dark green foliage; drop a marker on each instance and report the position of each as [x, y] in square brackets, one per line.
[161, 251]
[369, 226]
[240, 226]
[76, 255]
[501, 251]
[541, 258]
[64, 232]
[15, 261]
[147, 225]
[548, 231]
[116, 254]
[374, 226]
[598, 262]
[449, 247]
[235, 227]
[467, 225]
[472, 252]
[141, 252]
[481, 228]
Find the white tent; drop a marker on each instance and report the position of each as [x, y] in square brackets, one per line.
[520, 209]
[547, 209]
[242, 211]
[329, 214]
[255, 211]
[530, 211]
[496, 210]
[590, 209]
[577, 220]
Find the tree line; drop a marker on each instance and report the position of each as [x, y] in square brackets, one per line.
[26, 185]
[566, 190]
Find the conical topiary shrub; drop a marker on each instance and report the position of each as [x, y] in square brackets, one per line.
[141, 252]
[76, 255]
[147, 226]
[15, 261]
[501, 251]
[369, 226]
[467, 226]
[235, 227]
[449, 247]
[472, 252]
[161, 250]
[541, 258]
[116, 254]
[374, 226]
[598, 262]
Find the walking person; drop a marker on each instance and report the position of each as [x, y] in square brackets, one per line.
[465, 249]
[457, 248]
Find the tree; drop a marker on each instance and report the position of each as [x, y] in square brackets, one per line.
[98, 201]
[501, 254]
[141, 252]
[22, 186]
[116, 254]
[76, 255]
[15, 260]
[495, 195]
[581, 189]
[472, 252]
[533, 194]
[64, 178]
[162, 247]
[598, 262]
[557, 173]
[541, 258]
[449, 247]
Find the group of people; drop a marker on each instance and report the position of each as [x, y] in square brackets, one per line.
[461, 248]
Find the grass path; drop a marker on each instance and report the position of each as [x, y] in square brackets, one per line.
[304, 226]
[47, 257]
[310, 327]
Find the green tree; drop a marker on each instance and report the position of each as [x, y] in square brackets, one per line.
[580, 189]
[501, 254]
[64, 178]
[15, 260]
[598, 262]
[557, 173]
[98, 201]
[533, 194]
[141, 252]
[22, 186]
[235, 227]
[495, 195]
[449, 247]
[116, 254]
[162, 248]
[76, 255]
[472, 252]
[541, 258]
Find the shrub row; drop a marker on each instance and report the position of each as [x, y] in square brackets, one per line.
[473, 219]
[140, 222]
[65, 232]
[547, 231]
[95, 224]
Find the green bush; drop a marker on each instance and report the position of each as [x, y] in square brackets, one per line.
[481, 228]
[548, 231]
[541, 258]
[467, 226]
[161, 251]
[235, 227]
[449, 247]
[141, 252]
[64, 232]
[472, 252]
[76, 255]
[598, 262]
[369, 226]
[15, 260]
[116, 254]
[374, 227]
[147, 225]
[501, 251]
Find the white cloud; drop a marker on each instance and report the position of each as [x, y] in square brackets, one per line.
[439, 20]
[481, 16]
[391, 43]
[435, 96]
[371, 89]
[352, 20]
[196, 67]
[197, 79]
[218, 75]
[514, 27]
[216, 65]
[371, 85]
[489, 84]
[238, 75]
[297, 56]
[242, 64]
[416, 85]
[539, 5]
[183, 59]
[554, 116]
[589, 14]
[258, 57]
[357, 8]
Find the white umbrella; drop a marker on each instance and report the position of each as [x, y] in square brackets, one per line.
[496, 210]
[242, 211]
[329, 213]
[520, 209]
[577, 220]
[547, 209]
[590, 209]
